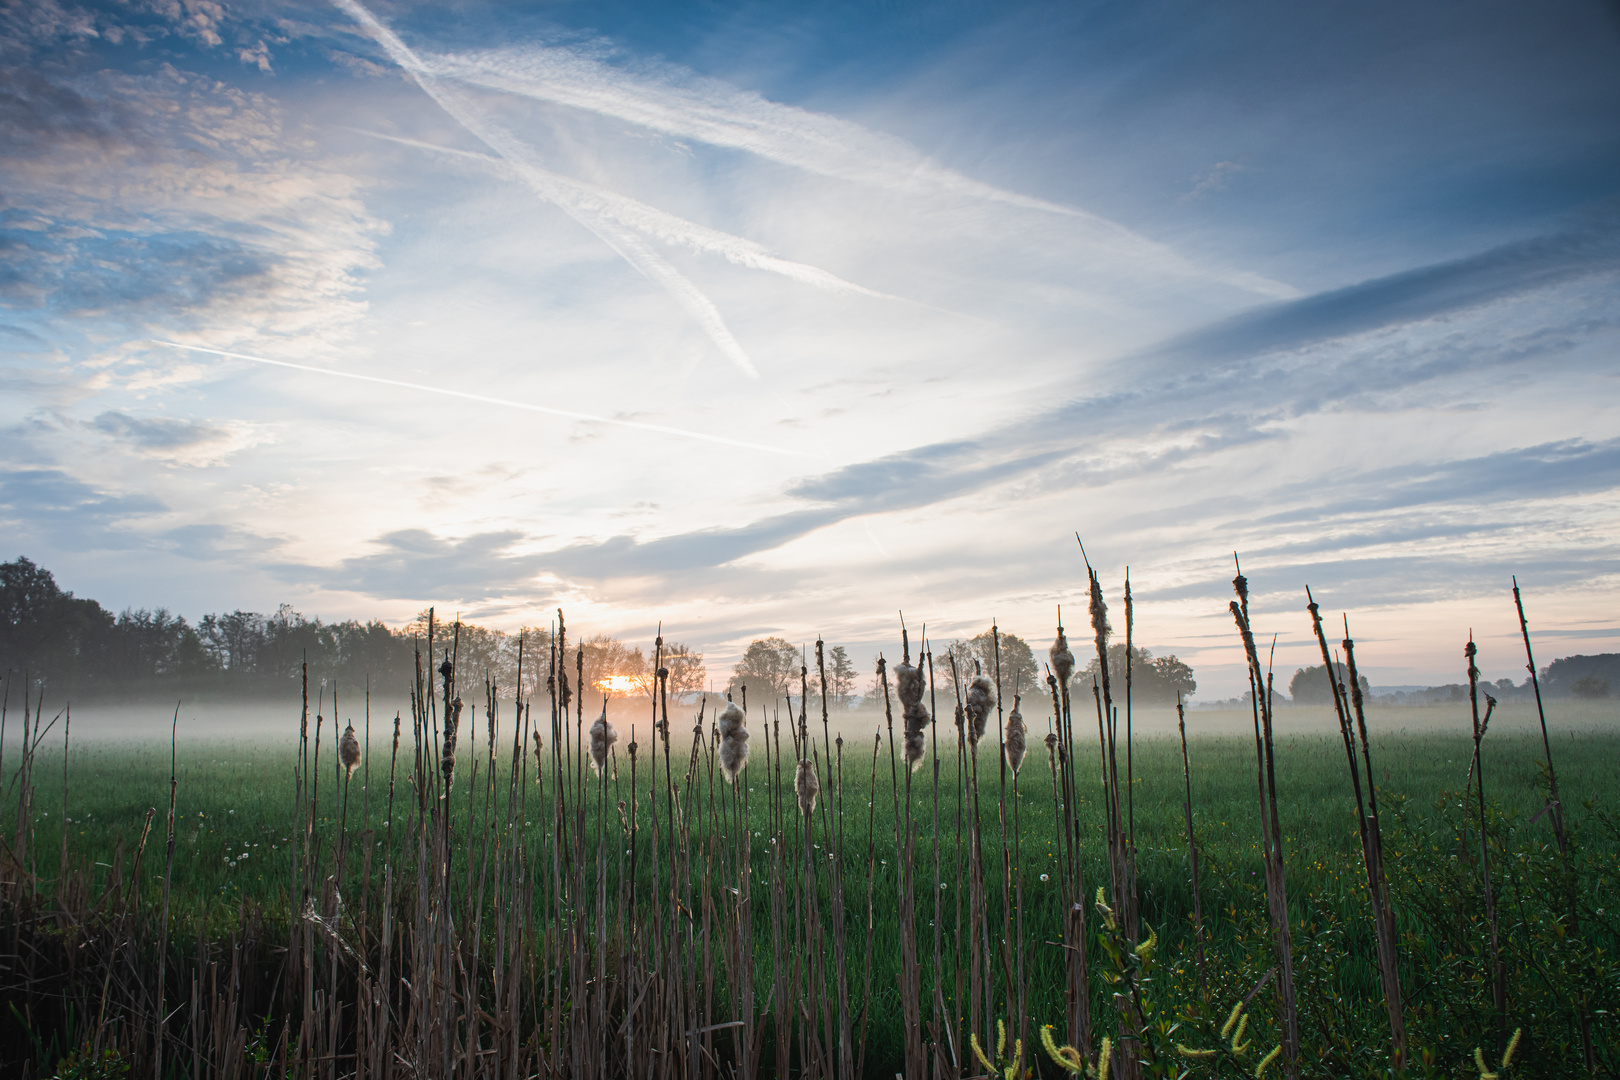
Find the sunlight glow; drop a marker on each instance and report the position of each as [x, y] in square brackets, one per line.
[616, 684]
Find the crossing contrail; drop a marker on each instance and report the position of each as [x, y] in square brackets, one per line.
[569, 414]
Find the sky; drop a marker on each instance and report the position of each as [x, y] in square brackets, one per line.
[776, 319]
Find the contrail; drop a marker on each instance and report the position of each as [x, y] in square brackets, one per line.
[676, 102]
[629, 246]
[649, 219]
[503, 402]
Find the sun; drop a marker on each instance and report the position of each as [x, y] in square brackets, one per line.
[616, 684]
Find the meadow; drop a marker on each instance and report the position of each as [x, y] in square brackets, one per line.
[467, 902]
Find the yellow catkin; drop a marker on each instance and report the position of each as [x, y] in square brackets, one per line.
[1145, 950]
[1479, 1060]
[1103, 1057]
[1189, 1052]
[973, 1041]
[1001, 1037]
[1513, 1044]
[1238, 1045]
[1226, 1028]
[1266, 1061]
[1067, 1057]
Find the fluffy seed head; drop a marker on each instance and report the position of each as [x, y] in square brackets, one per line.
[1062, 659]
[1015, 740]
[447, 757]
[807, 786]
[537, 758]
[733, 741]
[981, 698]
[917, 720]
[349, 751]
[603, 736]
[908, 682]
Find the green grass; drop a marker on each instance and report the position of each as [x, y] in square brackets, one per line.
[237, 797]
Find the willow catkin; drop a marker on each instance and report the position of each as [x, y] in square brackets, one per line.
[807, 785]
[733, 741]
[349, 751]
[603, 736]
[981, 698]
[1016, 733]
[1062, 659]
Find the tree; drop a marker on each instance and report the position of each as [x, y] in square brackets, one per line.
[1591, 688]
[1019, 671]
[686, 671]
[1154, 681]
[840, 678]
[1310, 686]
[770, 667]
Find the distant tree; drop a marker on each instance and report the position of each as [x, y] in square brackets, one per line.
[1562, 675]
[770, 670]
[1154, 681]
[1019, 672]
[1590, 688]
[840, 678]
[1310, 685]
[687, 675]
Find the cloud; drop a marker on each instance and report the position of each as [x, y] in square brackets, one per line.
[1428, 292]
[1213, 180]
[627, 243]
[650, 220]
[674, 101]
[414, 563]
[54, 508]
[167, 200]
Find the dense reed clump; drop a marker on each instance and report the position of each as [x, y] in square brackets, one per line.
[645, 918]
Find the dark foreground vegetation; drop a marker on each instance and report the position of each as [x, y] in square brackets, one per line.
[499, 884]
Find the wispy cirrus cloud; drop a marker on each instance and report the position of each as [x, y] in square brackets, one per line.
[675, 101]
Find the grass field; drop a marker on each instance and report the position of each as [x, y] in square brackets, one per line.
[240, 819]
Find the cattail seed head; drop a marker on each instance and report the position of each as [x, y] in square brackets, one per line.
[349, 751]
[1062, 659]
[981, 698]
[538, 760]
[908, 683]
[603, 736]
[447, 758]
[917, 720]
[1016, 737]
[807, 786]
[733, 741]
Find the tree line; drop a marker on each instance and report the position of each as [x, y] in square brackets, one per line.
[75, 647]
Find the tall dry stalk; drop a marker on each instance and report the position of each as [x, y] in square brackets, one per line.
[1498, 971]
[1271, 832]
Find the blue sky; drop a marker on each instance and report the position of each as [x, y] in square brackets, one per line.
[778, 319]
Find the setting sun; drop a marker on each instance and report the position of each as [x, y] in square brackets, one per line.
[616, 684]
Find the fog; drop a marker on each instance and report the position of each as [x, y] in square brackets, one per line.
[274, 720]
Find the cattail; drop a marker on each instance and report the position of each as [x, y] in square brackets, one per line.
[1062, 659]
[1015, 737]
[447, 760]
[733, 741]
[1051, 746]
[539, 761]
[808, 786]
[349, 751]
[917, 720]
[603, 736]
[908, 682]
[981, 698]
